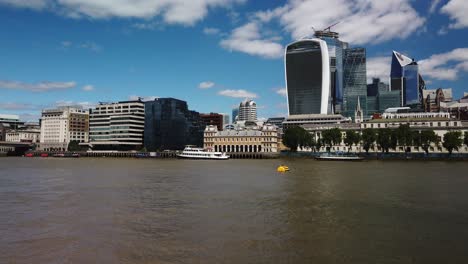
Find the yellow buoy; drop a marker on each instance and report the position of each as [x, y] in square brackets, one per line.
[282, 168]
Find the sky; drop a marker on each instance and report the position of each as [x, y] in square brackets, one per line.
[211, 53]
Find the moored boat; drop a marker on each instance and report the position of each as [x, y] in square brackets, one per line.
[339, 157]
[191, 152]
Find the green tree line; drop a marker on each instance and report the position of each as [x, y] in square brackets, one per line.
[385, 138]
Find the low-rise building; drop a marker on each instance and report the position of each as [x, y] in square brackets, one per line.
[31, 136]
[62, 125]
[253, 139]
[117, 126]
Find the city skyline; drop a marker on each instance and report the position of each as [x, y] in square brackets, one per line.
[82, 53]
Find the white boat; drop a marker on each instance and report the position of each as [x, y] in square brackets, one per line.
[191, 152]
[339, 157]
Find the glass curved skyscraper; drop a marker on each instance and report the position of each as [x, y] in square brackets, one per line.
[307, 65]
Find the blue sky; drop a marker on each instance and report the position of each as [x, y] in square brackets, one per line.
[211, 53]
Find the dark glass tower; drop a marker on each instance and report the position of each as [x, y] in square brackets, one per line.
[355, 80]
[308, 77]
[405, 77]
[169, 124]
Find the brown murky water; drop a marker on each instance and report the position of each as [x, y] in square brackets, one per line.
[236, 211]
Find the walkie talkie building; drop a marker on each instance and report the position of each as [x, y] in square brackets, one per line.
[307, 66]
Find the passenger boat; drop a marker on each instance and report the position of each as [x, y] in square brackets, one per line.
[339, 157]
[191, 152]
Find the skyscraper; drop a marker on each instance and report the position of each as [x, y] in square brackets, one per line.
[235, 114]
[355, 81]
[405, 77]
[247, 111]
[336, 49]
[308, 87]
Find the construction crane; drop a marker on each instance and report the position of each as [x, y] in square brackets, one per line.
[329, 27]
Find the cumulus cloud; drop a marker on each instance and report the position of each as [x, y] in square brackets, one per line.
[32, 4]
[36, 87]
[281, 91]
[247, 39]
[211, 31]
[445, 66]
[361, 21]
[18, 106]
[456, 10]
[147, 26]
[378, 67]
[206, 85]
[237, 94]
[88, 88]
[433, 6]
[172, 11]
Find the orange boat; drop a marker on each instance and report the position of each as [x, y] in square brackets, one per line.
[44, 155]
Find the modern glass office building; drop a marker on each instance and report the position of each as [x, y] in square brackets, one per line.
[405, 77]
[169, 124]
[355, 80]
[307, 66]
[336, 49]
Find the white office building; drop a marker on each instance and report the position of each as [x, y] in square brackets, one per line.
[247, 111]
[117, 126]
[61, 125]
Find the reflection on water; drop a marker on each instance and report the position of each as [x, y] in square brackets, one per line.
[236, 211]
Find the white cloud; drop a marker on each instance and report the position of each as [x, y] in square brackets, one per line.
[445, 66]
[90, 45]
[66, 44]
[211, 31]
[433, 6]
[36, 87]
[457, 10]
[378, 67]
[238, 94]
[148, 26]
[88, 88]
[33, 4]
[361, 21]
[281, 91]
[172, 11]
[248, 39]
[206, 85]
[84, 105]
[18, 106]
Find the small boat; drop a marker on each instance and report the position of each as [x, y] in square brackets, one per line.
[29, 155]
[191, 152]
[339, 157]
[58, 155]
[44, 155]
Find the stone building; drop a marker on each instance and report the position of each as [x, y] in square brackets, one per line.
[254, 139]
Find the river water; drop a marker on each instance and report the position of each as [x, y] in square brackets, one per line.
[104, 210]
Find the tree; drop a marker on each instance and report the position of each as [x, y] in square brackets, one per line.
[297, 136]
[405, 137]
[368, 138]
[452, 141]
[74, 146]
[332, 137]
[465, 139]
[318, 145]
[384, 139]
[426, 137]
[351, 138]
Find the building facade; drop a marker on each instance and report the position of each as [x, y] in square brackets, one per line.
[355, 81]
[256, 139]
[170, 125]
[235, 114]
[31, 136]
[405, 77]
[214, 119]
[307, 65]
[117, 126]
[247, 111]
[62, 125]
[8, 122]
